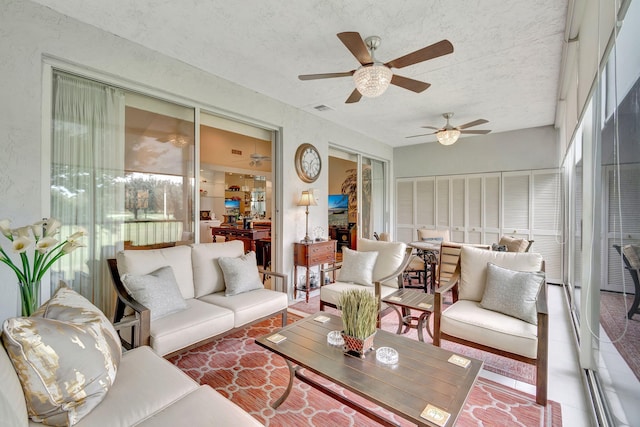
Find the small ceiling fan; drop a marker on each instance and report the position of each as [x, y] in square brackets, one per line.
[373, 77]
[449, 134]
[256, 159]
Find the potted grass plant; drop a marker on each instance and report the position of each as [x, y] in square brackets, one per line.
[359, 318]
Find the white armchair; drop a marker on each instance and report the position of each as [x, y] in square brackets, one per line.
[499, 306]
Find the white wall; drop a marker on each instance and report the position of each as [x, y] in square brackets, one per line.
[29, 31]
[535, 148]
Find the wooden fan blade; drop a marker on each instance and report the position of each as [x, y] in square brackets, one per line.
[407, 83]
[424, 134]
[431, 127]
[325, 75]
[473, 123]
[356, 46]
[354, 97]
[475, 132]
[443, 47]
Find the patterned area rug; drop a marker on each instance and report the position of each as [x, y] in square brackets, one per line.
[498, 364]
[253, 378]
[623, 332]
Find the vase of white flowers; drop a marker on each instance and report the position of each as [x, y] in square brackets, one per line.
[39, 237]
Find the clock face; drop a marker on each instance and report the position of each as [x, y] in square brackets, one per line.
[308, 163]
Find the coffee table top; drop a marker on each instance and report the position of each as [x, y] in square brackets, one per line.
[411, 298]
[421, 377]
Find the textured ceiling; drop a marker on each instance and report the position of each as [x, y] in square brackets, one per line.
[505, 67]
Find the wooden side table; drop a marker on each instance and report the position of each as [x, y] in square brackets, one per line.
[310, 255]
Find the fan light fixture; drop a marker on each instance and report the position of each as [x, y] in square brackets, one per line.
[372, 80]
[448, 136]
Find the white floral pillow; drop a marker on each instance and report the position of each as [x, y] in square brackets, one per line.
[357, 267]
[66, 365]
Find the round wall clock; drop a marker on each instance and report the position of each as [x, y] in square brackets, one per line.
[308, 163]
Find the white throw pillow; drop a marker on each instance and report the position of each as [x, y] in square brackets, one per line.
[66, 358]
[513, 293]
[357, 267]
[158, 291]
[240, 274]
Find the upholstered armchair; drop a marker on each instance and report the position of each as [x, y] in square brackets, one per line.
[499, 306]
[376, 266]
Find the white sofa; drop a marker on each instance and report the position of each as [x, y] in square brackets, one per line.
[148, 391]
[390, 263]
[209, 313]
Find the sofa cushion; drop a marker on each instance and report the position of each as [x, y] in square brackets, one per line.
[514, 244]
[390, 257]
[12, 403]
[249, 306]
[140, 262]
[357, 267]
[158, 291]
[240, 274]
[183, 328]
[202, 407]
[207, 274]
[66, 368]
[513, 293]
[146, 384]
[469, 321]
[473, 268]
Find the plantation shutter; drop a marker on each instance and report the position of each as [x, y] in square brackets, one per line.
[474, 206]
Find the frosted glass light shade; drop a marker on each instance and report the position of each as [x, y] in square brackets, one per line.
[372, 80]
[448, 137]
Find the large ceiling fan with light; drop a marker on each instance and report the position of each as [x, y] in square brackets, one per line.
[372, 78]
[449, 134]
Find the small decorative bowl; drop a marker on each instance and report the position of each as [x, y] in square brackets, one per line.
[335, 338]
[387, 355]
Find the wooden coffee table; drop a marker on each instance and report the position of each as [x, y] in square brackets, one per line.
[423, 375]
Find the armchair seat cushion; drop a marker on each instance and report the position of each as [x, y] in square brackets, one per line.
[249, 306]
[186, 327]
[330, 294]
[469, 321]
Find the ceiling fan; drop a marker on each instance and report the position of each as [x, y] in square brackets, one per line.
[373, 77]
[449, 134]
[256, 159]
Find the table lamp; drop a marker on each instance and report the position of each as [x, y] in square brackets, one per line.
[307, 199]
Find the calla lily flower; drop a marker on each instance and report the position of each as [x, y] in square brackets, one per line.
[77, 235]
[5, 228]
[71, 246]
[22, 231]
[43, 245]
[52, 226]
[21, 244]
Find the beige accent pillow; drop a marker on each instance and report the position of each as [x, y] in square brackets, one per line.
[514, 244]
[390, 257]
[158, 291]
[65, 367]
[513, 293]
[240, 274]
[357, 267]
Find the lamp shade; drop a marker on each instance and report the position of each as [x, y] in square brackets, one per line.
[448, 136]
[372, 80]
[307, 199]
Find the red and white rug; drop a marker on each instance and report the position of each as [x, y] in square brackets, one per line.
[253, 378]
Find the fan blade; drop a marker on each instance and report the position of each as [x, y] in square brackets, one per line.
[473, 123]
[407, 83]
[431, 127]
[443, 47]
[354, 97]
[475, 132]
[356, 46]
[325, 76]
[424, 134]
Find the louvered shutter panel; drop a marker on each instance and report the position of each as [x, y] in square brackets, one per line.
[443, 202]
[474, 206]
[404, 202]
[491, 218]
[546, 222]
[425, 202]
[515, 191]
[458, 209]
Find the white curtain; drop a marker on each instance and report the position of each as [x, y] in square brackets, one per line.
[87, 182]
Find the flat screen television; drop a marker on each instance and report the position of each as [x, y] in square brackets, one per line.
[338, 203]
[232, 204]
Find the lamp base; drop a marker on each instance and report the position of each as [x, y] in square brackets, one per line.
[306, 240]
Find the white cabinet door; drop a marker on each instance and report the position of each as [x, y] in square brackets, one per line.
[492, 207]
[405, 196]
[443, 220]
[425, 202]
[545, 228]
[458, 208]
[516, 203]
[474, 209]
